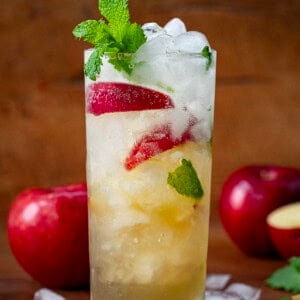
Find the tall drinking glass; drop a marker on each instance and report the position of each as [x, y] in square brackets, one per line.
[149, 160]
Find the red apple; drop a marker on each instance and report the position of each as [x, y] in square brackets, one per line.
[284, 228]
[248, 196]
[48, 234]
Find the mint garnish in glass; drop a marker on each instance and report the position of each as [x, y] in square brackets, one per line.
[185, 180]
[208, 55]
[115, 37]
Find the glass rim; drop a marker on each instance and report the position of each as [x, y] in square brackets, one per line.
[171, 53]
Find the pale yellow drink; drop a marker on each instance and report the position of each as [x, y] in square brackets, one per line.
[154, 246]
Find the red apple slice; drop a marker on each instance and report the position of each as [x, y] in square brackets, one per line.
[156, 141]
[105, 97]
[284, 229]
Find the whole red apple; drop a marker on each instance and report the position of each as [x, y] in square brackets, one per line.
[248, 196]
[284, 229]
[48, 234]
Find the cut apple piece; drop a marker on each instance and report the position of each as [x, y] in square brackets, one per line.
[158, 140]
[105, 97]
[248, 195]
[284, 229]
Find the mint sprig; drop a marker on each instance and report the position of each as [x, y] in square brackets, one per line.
[208, 55]
[115, 37]
[286, 278]
[185, 180]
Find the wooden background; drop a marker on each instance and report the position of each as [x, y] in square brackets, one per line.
[42, 134]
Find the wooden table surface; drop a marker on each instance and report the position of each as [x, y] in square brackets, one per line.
[223, 257]
[42, 134]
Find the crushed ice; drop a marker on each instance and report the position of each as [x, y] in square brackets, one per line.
[190, 42]
[173, 37]
[215, 289]
[46, 294]
[156, 66]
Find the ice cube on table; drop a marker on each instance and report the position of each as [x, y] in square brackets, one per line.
[46, 294]
[190, 42]
[217, 295]
[175, 27]
[217, 281]
[246, 292]
[151, 30]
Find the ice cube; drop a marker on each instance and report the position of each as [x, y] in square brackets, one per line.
[158, 45]
[175, 27]
[216, 295]
[128, 218]
[145, 266]
[152, 30]
[46, 294]
[246, 292]
[179, 121]
[190, 42]
[177, 156]
[217, 281]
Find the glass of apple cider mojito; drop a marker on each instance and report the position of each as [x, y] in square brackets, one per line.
[149, 119]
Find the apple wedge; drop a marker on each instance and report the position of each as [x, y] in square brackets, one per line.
[284, 228]
[106, 97]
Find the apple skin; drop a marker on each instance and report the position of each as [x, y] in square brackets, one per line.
[286, 241]
[48, 234]
[284, 229]
[248, 196]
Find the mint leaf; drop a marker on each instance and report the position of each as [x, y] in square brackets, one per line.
[185, 180]
[286, 278]
[115, 38]
[295, 262]
[134, 37]
[93, 65]
[207, 54]
[122, 62]
[91, 31]
[114, 11]
[117, 14]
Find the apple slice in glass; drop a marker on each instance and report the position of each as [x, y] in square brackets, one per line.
[156, 141]
[106, 97]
